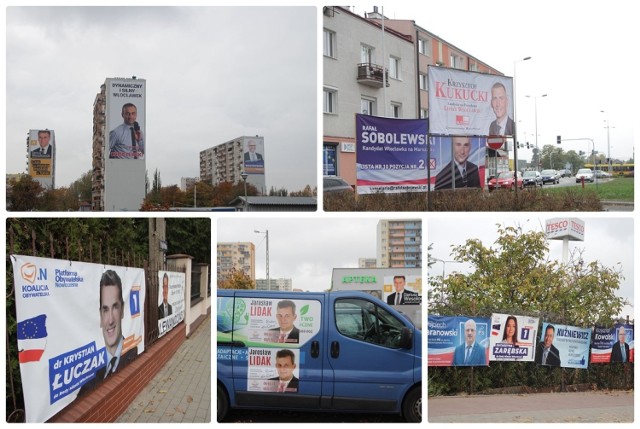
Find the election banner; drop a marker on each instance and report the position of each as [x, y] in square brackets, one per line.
[563, 346]
[513, 338]
[469, 103]
[273, 370]
[171, 300]
[613, 344]
[259, 322]
[401, 289]
[73, 320]
[391, 154]
[126, 118]
[253, 154]
[458, 341]
[457, 162]
[42, 156]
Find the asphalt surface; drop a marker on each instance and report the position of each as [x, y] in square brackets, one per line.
[574, 407]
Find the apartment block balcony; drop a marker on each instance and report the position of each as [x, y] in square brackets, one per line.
[371, 75]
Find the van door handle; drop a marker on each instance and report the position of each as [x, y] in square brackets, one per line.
[335, 349]
[315, 349]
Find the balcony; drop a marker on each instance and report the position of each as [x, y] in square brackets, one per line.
[371, 75]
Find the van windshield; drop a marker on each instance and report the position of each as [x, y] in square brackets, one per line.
[363, 320]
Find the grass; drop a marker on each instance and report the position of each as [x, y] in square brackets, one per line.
[619, 189]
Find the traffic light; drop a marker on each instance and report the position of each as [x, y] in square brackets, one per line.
[527, 145]
[559, 139]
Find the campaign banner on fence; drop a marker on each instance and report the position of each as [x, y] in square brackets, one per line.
[391, 154]
[261, 321]
[77, 323]
[612, 344]
[273, 370]
[458, 341]
[457, 162]
[564, 346]
[470, 103]
[171, 300]
[513, 338]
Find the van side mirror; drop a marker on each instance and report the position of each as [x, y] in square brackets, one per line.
[406, 338]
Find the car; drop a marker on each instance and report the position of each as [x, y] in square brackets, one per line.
[585, 174]
[532, 178]
[565, 173]
[335, 184]
[551, 176]
[601, 174]
[347, 351]
[505, 181]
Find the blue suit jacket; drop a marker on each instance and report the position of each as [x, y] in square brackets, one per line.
[478, 355]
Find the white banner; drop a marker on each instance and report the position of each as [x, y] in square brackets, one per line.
[77, 323]
[469, 103]
[513, 338]
[170, 300]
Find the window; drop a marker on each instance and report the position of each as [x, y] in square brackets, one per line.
[329, 43]
[367, 106]
[424, 113]
[366, 54]
[424, 47]
[473, 67]
[330, 103]
[365, 321]
[396, 110]
[423, 81]
[456, 61]
[394, 67]
[330, 160]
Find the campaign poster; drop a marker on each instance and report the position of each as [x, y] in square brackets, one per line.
[170, 300]
[563, 346]
[253, 155]
[126, 118]
[71, 318]
[458, 341]
[273, 370]
[401, 289]
[391, 154]
[513, 338]
[613, 344]
[457, 162]
[41, 149]
[264, 321]
[470, 103]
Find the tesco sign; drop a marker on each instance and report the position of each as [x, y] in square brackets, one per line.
[565, 228]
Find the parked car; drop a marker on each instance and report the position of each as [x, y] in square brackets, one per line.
[335, 184]
[565, 173]
[601, 174]
[586, 174]
[532, 178]
[505, 181]
[551, 176]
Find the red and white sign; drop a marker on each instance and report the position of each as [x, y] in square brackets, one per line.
[565, 228]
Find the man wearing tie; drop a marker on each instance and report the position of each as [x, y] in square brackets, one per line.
[44, 149]
[252, 155]
[165, 309]
[546, 352]
[126, 141]
[460, 171]
[286, 332]
[470, 353]
[286, 364]
[503, 124]
[402, 296]
[620, 350]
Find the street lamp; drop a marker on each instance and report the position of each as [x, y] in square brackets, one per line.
[444, 263]
[608, 141]
[266, 232]
[244, 176]
[515, 121]
[535, 103]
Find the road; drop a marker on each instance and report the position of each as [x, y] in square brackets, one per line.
[573, 407]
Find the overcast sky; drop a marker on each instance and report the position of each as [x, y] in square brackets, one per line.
[607, 240]
[212, 73]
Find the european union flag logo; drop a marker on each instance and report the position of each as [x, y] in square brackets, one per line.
[32, 338]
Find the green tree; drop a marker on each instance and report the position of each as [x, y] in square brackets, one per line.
[238, 279]
[24, 194]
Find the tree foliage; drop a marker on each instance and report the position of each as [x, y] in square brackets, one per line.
[237, 279]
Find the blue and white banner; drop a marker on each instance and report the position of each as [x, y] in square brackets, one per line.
[458, 341]
[391, 154]
[170, 300]
[69, 327]
[563, 346]
[513, 338]
[613, 344]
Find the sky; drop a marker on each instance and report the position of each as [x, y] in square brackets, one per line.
[212, 74]
[607, 240]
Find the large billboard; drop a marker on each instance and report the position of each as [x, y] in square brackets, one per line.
[42, 147]
[391, 154]
[458, 341]
[457, 162]
[563, 346]
[77, 324]
[170, 300]
[513, 338]
[126, 144]
[400, 289]
[469, 103]
[253, 159]
[613, 344]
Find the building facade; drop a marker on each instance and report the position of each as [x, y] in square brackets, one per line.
[274, 284]
[239, 256]
[399, 243]
[356, 61]
[188, 182]
[367, 263]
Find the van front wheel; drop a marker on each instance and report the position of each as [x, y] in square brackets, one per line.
[412, 406]
[223, 403]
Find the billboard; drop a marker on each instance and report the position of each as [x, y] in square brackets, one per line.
[458, 341]
[126, 144]
[513, 338]
[469, 103]
[561, 228]
[41, 149]
[613, 344]
[401, 289]
[457, 162]
[563, 346]
[391, 154]
[77, 324]
[170, 300]
[253, 155]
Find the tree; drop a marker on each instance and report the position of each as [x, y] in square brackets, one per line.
[24, 194]
[238, 279]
